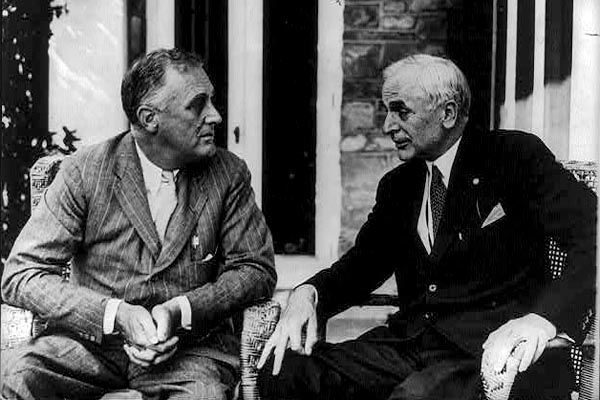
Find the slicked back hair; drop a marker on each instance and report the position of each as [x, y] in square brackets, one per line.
[439, 79]
[147, 74]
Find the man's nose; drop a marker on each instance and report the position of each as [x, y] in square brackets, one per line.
[212, 115]
[391, 124]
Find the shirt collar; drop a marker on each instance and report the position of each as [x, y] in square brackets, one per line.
[150, 171]
[445, 161]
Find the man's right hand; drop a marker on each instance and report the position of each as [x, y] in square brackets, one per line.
[152, 355]
[300, 311]
[136, 325]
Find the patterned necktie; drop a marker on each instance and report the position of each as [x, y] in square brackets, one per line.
[166, 201]
[438, 197]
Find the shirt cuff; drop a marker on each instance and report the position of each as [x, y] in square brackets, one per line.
[110, 314]
[186, 311]
[312, 289]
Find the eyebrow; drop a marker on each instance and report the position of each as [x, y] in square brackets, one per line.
[199, 99]
[398, 105]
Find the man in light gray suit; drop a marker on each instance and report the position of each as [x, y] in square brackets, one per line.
[165, 242]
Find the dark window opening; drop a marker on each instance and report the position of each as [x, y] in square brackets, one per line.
[470, 35]
[136, 29]
[289, 123]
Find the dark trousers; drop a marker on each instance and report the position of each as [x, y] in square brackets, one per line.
[379, 365]
[63, 366]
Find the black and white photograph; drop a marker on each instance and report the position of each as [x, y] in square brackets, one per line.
[299, 200]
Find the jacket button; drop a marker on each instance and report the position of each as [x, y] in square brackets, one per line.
[432, 288]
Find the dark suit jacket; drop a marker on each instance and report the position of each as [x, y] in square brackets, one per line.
[482, 277]
[96, 215]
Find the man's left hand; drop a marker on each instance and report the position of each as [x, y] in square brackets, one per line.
[167, 317]
[531, 331]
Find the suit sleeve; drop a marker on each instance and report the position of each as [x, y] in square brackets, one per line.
[247, 273]
[564, 209]
[32, 273]
[363, 268]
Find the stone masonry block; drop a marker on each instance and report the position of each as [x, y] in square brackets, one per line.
[432, 27]
[361, 60]
[357, 115]
[401, 22]
[361, 173]
[361, 16]
[377, 35]
[429, 5]
[362, 88]
[353, 143]
[395, 6]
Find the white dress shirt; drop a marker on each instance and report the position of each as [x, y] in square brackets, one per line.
[152, 178]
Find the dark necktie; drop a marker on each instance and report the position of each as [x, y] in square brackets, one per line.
[438, 197]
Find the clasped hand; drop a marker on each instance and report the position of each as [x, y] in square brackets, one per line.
[149, 338]
[300, 312]
[530, 333]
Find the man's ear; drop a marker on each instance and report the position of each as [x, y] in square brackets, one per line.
[450, 114]
[147, 117]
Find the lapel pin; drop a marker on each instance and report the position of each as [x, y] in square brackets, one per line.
[475, 181]
[195, 242]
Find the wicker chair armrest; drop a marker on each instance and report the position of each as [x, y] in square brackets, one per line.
[259, 323]
[497, 385]
[589, 374]
[17, 326]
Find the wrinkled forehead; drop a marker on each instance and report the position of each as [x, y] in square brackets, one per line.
[401, 86]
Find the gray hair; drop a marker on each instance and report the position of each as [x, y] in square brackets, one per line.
[146, 75]
[439, 78]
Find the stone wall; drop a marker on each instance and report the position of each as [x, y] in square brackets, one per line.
[376, 33]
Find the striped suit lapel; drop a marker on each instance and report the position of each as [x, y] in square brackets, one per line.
[191, 199]
[131, 194]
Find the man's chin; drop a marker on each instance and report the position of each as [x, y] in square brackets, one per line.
[406, 154]
[207, 150]
[202, 152]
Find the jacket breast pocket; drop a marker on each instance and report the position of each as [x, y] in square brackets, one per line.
[203, 256]
[202, 250]
[198, 274]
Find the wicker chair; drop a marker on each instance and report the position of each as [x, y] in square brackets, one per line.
[19, 326]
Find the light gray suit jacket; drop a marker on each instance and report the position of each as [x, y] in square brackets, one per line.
[96, 215]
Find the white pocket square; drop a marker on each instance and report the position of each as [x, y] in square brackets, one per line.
[208, 257]
[494, 215]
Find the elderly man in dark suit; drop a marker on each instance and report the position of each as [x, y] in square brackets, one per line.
[165, 241]
[461, 223]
